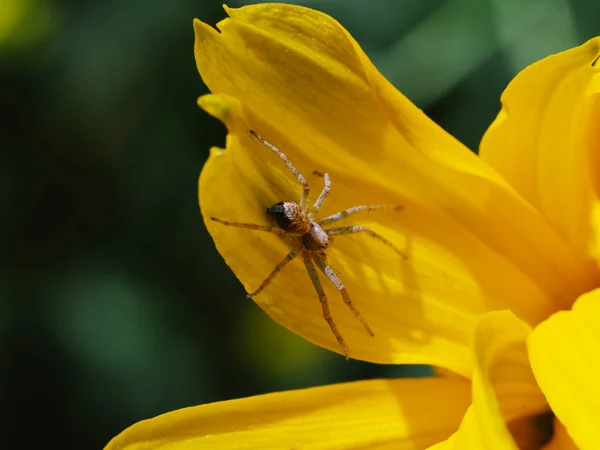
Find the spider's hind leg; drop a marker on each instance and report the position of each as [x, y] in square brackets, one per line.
[330, 274]
[314, 277]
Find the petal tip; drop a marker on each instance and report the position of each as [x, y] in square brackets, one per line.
[202, 30]
[593, 46]
[215, 105]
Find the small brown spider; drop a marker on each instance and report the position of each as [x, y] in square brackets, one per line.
[298, 224]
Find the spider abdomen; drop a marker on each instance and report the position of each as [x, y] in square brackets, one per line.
[289, 217]
[316, 239]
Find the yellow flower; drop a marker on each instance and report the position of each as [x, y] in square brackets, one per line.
[497, 245]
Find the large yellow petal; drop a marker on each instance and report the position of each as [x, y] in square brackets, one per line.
[313, 91]
[296, 76]
[546, 143]
[379, 414]
[565, 358]
[509, 411]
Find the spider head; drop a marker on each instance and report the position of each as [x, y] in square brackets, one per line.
[289, 217]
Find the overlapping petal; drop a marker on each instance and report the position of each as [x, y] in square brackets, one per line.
[565, 358]
[546, 143]
[299, 79]
[378, 414]
[508, 411]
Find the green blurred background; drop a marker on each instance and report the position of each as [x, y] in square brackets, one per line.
[114, 304]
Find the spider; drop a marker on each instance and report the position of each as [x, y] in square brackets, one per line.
[298, 223]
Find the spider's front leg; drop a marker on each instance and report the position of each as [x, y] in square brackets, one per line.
[323, 195]
[288, 163]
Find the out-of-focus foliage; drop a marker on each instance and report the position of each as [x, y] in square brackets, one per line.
[114, 304]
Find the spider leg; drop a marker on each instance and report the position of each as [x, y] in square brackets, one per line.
[314, 277]
[251, 226]
[317, 206]
[343, 214]
[329, 273]
[280, 265]
[288, 163]
[360, 229]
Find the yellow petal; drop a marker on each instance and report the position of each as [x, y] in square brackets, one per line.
[508, 411]
[545, 140]
[311, 87]
[382, 414]
[565, 358]
[296, 77]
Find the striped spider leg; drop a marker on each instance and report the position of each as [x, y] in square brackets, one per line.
[295, 222]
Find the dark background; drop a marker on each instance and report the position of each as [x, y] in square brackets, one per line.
[114, 304]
